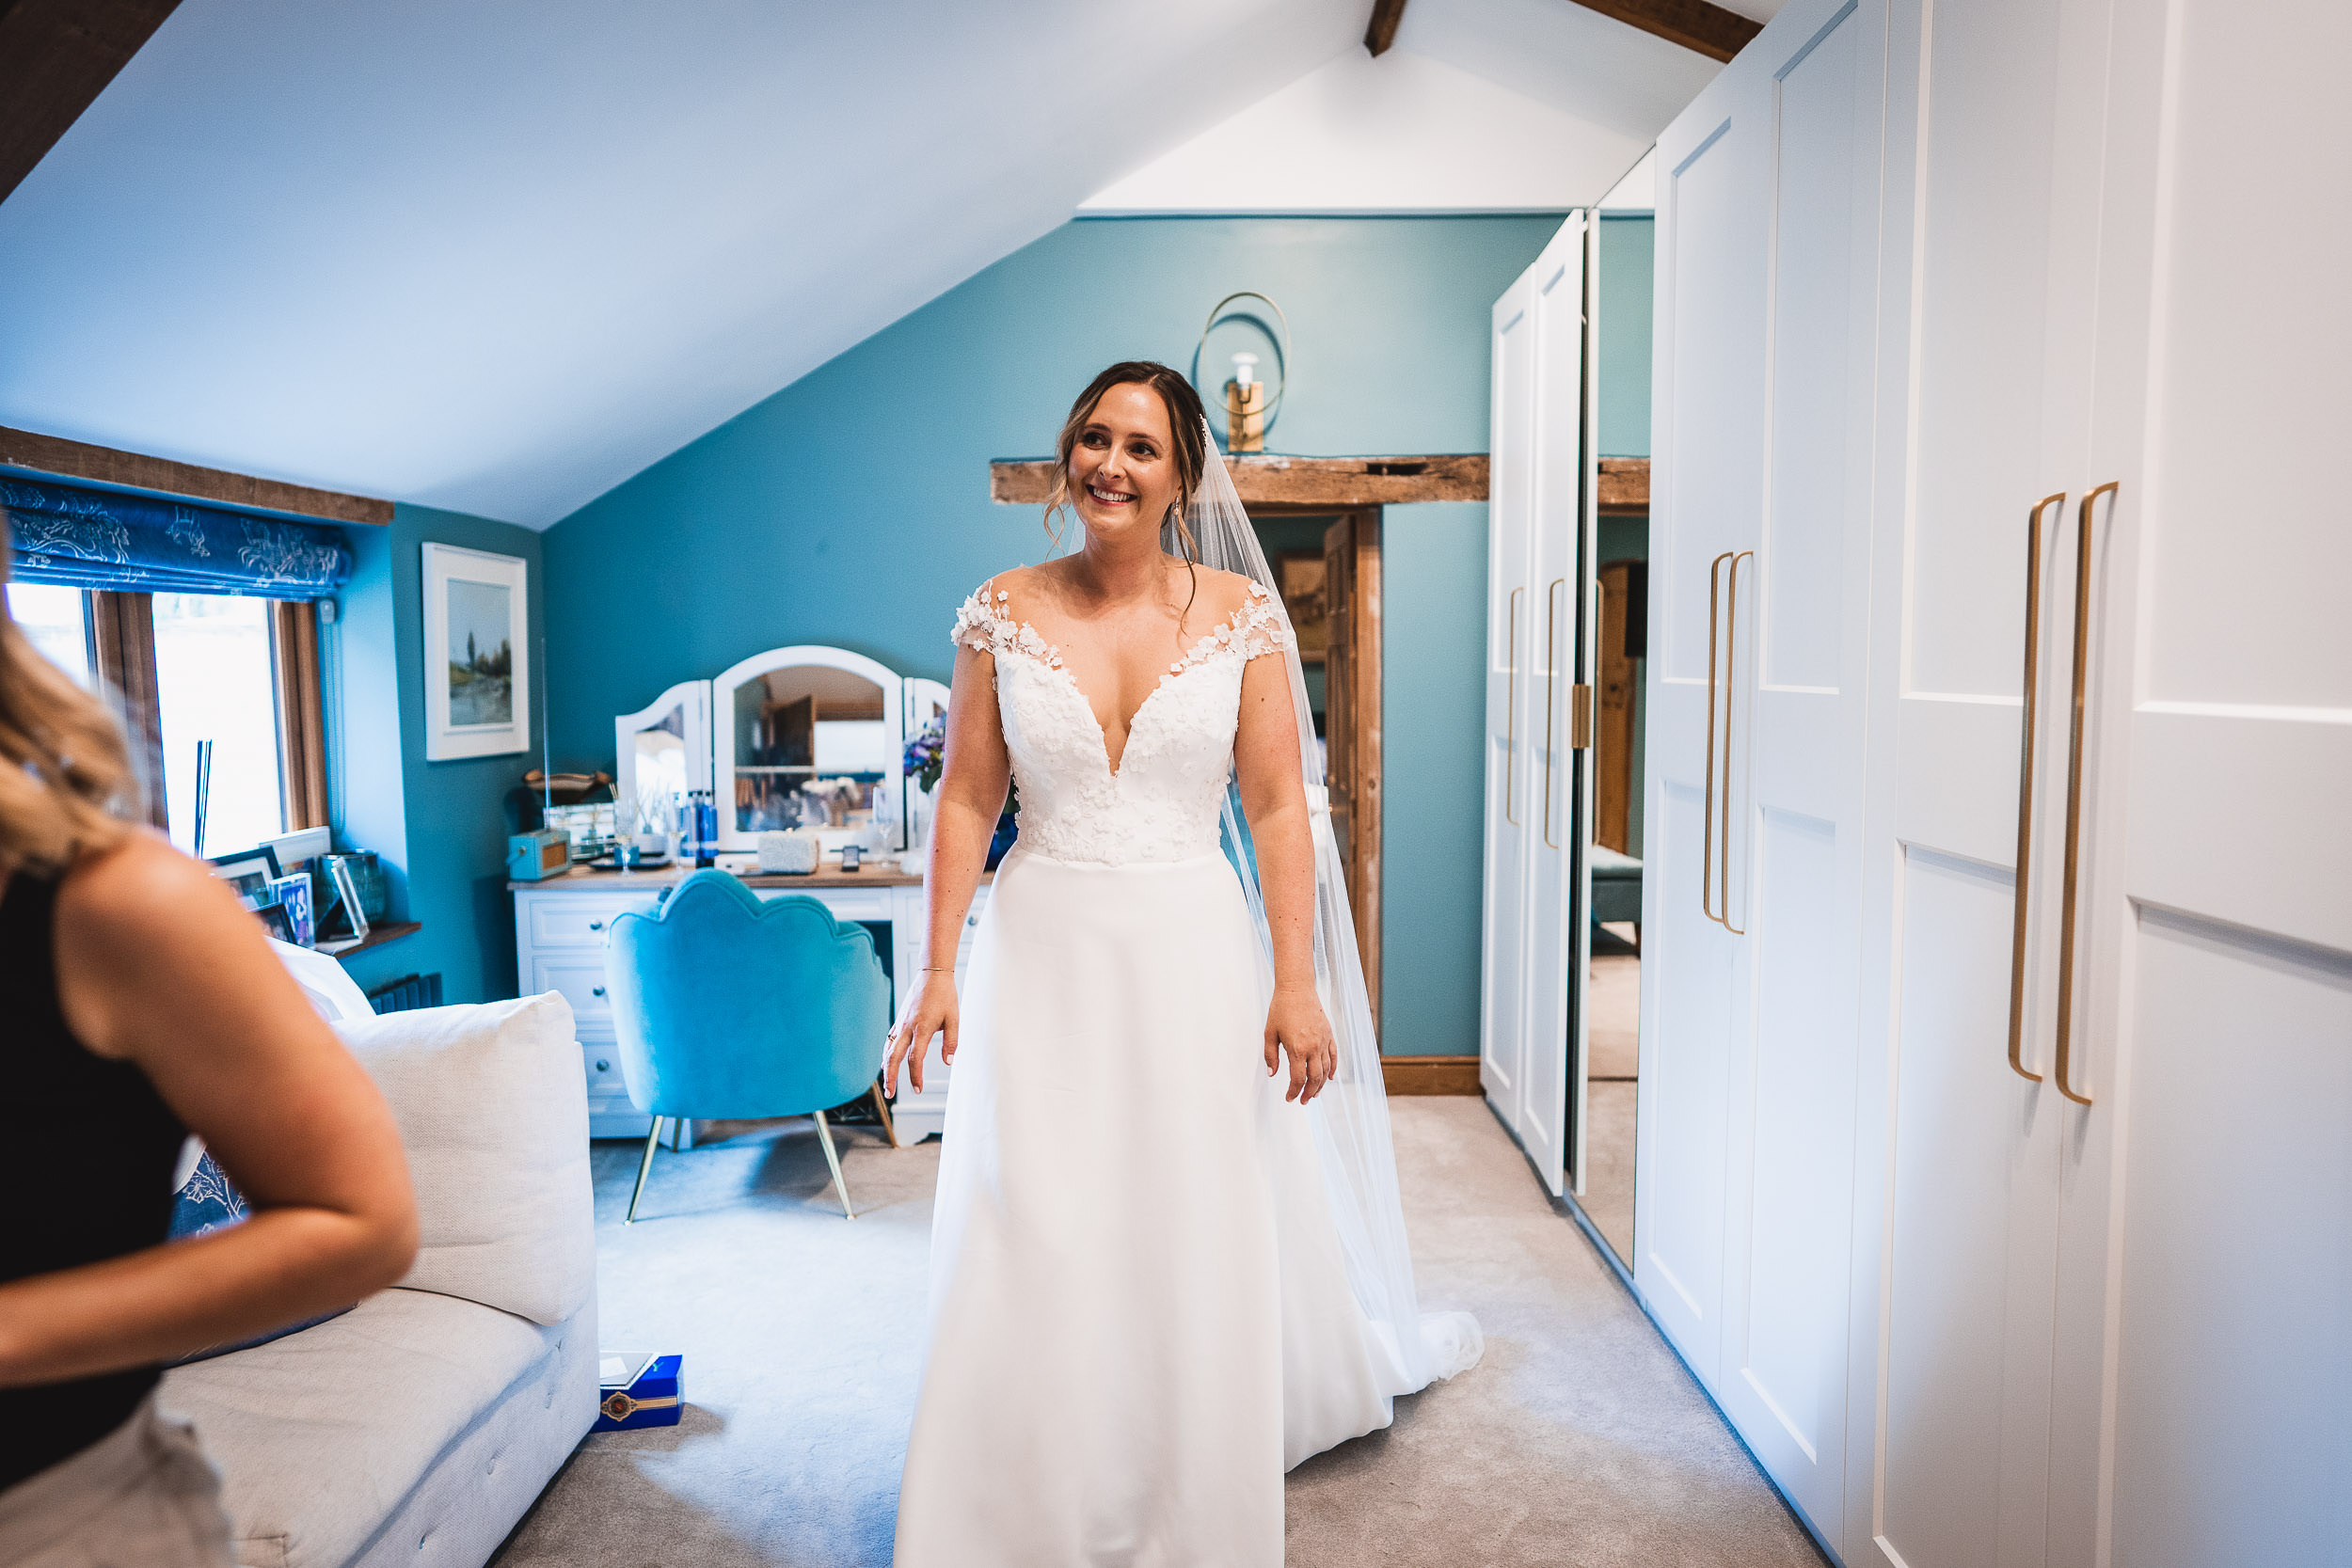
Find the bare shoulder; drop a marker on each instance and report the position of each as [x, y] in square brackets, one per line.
[142, 922]
[140, 891]
[1222, 594]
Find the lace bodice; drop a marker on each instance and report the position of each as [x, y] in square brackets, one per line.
[1162, 803]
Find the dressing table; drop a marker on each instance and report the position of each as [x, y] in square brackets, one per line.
[559, 928]
[758, 737]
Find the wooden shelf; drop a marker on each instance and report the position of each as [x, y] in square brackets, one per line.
[378, 935]
[1272, 480]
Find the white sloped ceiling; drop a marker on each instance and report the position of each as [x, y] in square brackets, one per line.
[497, 257]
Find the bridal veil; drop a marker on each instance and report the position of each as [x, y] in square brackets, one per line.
[1350, 1117]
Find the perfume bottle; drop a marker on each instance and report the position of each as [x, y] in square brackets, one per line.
[706, 828]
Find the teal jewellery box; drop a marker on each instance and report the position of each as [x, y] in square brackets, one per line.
[637, 1390]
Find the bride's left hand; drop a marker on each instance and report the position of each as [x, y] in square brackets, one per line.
[1294, 1023]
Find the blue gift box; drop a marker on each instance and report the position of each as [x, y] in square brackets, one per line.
[637, 1390]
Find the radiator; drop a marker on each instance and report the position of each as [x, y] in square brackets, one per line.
[408, 993]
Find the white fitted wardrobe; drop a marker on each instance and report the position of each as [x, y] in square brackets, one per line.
[1539, 703]
[1995, 1095]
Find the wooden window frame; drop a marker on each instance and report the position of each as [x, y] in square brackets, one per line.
[122, 653]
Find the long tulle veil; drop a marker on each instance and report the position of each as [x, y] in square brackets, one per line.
[1350, 1117]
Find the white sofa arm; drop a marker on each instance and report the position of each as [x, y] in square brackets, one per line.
[493, 1112]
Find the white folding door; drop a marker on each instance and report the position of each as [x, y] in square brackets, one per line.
[1760, 560]
[1537, 550]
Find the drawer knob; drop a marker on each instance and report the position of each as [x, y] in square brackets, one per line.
[603, 1066]
[596, 925]
[597, 991]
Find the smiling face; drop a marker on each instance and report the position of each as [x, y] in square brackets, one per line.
[1123, 470]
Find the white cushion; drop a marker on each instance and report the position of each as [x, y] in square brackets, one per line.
[324, 981]
[320, 1435]
[493, 1112]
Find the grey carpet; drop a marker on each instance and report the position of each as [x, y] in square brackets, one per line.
[1579, 1440]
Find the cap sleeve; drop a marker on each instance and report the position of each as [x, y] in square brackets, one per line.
[1260, 626]
[981, 623]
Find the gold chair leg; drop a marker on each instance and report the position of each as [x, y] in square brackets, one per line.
[824, 1135]
[881, 1109]
[644, 1168]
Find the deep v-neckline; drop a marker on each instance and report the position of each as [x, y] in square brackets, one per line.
[1052, 659]
[1008, 635]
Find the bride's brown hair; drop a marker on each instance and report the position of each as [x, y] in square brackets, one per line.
[65, 778]
[1187, 427]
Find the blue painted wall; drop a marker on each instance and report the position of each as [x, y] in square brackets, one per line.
[1625, 315]
[441, 825]
[851, 508]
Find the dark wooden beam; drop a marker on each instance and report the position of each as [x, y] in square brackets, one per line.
[1386, 14]
[56, 58]
[1308, 483]
[51, 454]
[1623, 485]
[1703, 28]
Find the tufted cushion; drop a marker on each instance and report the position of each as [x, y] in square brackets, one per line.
[493, 1112]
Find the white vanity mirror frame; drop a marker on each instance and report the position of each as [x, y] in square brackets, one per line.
[888, 794]
[923, 698]
[694, 698]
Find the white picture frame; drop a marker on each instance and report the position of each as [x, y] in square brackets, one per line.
[471, 597]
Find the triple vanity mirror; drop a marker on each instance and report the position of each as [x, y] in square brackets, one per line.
[806, 736]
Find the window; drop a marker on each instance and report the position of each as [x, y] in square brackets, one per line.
[230, 679]
[216, 691]
[57, 621]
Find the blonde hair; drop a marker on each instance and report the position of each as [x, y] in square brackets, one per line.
[64, 776]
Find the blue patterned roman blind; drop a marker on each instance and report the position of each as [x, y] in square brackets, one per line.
[78, 538]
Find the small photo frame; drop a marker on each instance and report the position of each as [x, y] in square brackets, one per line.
[293, 896]
[278, 922]
[249, 871]
[477, 654]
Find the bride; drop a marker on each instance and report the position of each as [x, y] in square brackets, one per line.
[1167, 1259]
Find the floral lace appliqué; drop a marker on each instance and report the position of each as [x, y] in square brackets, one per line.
[1162, 803]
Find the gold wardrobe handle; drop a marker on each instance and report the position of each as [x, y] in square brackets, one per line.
[2024, 786]
[1511, 715]
[1706, 812]
[1731, 657]
[1552, 685]
[2075, 794]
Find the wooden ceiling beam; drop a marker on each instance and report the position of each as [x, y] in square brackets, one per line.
[1264, 478]
[1386, 14]
[64, 459]
[56, 58]
[1695, 25]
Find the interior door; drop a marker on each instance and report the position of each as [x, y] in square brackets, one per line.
[1511, 624]
[1706, 503]
[1556, 577]
[1816, 82]
[2216, 919]
[1976, 1131]
[1351, 728]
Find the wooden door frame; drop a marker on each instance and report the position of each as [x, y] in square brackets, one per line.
[1355, 798]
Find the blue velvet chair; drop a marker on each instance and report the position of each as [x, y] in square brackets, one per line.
[726, 1007]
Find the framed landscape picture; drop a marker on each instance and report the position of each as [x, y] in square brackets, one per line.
[477, 660]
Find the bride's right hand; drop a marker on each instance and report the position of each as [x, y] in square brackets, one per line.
[929, 1010]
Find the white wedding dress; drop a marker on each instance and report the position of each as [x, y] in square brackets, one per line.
[1140, 1315]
